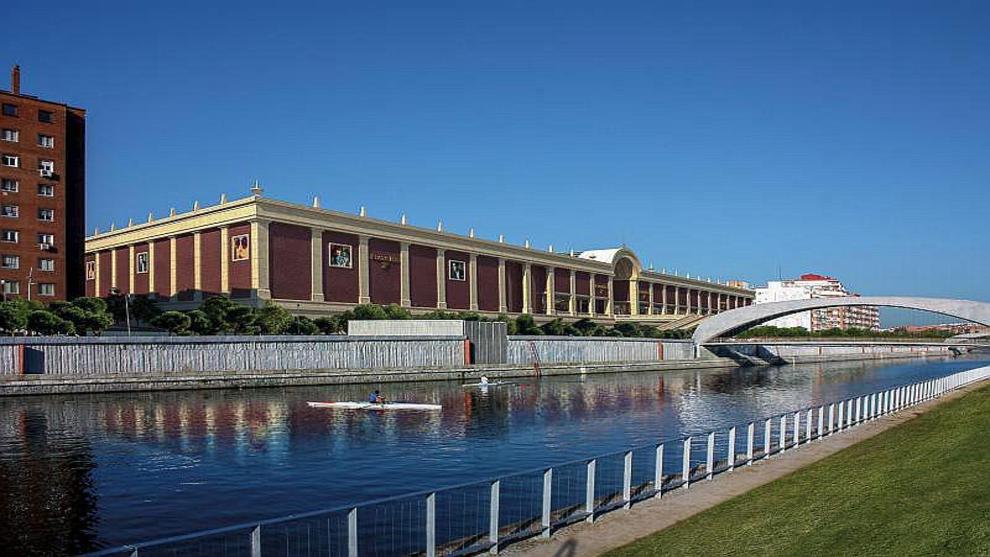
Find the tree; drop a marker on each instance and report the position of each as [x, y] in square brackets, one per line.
[365, 312]
[555, 327]
[45, 322]
[199, 322]
[273, 319]
[175, 322]
[241, 320]
[510, 324]
[525, 325]
[301, 325]
[13, 318]
[73, 314]
[216, 308]
[96, 317]
[394, 311]
[327, 325]
[144, 309]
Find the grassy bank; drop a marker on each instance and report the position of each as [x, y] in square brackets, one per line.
[922, 488]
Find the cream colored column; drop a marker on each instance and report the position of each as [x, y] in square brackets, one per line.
[550, 306]
[502, 304]
[96, 275]
[441, 279]
[634, 297]
[130, 269]
[473, 282]
[260, 280]
[527, 289]
[225, 260]
[316, 264]
[663, 299]
[709, 294]
[197, 266]
[173, 277]
[405, 298]
[649, 307]
[113, 268]
[592, 294]
[699, 302]
[364, 284]
[572, 303]
[688, 304]
[151, 267]
[610, 302]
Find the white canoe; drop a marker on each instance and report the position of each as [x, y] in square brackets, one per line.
[375, 406]
[489, 384]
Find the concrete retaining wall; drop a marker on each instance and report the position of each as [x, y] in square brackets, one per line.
[9, 360]
[584, 349]
[155, 355]
[797, 352]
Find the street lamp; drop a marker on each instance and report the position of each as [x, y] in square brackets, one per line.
[3, 288]
[127, 309]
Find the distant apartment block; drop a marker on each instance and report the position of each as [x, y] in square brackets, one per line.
[810, 286]
[42, 196]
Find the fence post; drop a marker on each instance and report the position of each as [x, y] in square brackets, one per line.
[627, 480]
[352, 537]
[493, 512]
[849, 412]
[255, 542]
[431, 525]
[859, 410]
[783, 433]
[589, 491]
[658, 471]
[750, 431]
[547, 486]
[797, 428]
[767, 449]
[841, 424]
[686, 464]
[732, 448]
[821, 421]
[807, 425]
[710, 457]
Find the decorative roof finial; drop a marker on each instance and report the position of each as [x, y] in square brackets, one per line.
[151, 217]
[195, 205]
[223, 198]
[171, 212]
[471, 232]
[256, 189]
[526, 243]
[550, 248]
[501, 238]
[439, 226]
[113, 226]
[316, 202]
[363, 212]
[130, 222]
[402, 219]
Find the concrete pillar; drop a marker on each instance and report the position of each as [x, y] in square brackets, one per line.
[197, 266]
[699, 301]
[113, 268]
[710, 309]
[677, 300]
[96, 275]
[364, 281]
[663, 299]
[130, 269]
[649, 307]
[473, 281]
[173, 278]
[551, 292]
[572, 304]
[441, 279]
[502, 303]
[405, 299]
[689, 300]
[151, 267]
[634, 297]
[527, 288]
[225, 260]
[609, 303]
[316, 264]
[592, 294]
[260, 282]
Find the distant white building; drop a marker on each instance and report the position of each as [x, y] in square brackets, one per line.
[810, 286]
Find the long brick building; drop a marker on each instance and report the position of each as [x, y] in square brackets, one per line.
[42, 196]
[315, 261]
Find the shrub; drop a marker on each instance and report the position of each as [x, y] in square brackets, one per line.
[44, 322]
[273, 319]
[175, 322]
[301, 325]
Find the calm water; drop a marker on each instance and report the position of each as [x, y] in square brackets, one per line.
[87, 471]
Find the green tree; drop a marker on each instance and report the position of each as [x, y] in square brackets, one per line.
[13, 318]
[554, 328]
[525, 325]
[199, 322]
[395, 311]
[216, 309]
[510, 324]
[273, 319]
[327, 325]
[95, 317]
[241, 320]
[366, 312]
[302, 325]
[44, 322]
[143, 308]
[175, 322]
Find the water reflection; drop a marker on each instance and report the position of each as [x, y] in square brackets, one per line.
[79, 472]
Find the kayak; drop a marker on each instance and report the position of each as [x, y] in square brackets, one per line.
[375, 406]
[489, 384]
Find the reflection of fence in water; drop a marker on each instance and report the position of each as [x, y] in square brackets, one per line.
[483, 516]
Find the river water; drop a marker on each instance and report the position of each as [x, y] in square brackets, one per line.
[82, 472]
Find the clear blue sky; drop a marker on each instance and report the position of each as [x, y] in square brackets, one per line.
[847, 138]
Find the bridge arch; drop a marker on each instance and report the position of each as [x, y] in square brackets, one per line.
[740, 319]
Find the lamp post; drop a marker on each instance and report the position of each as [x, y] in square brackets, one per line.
[3, 288]
[127, 309]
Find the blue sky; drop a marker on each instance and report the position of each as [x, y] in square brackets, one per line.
[721, 139]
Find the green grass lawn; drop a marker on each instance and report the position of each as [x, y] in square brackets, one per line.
[922, 488]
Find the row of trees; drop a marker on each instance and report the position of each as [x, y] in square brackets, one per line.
[82, 316]
[770, 331]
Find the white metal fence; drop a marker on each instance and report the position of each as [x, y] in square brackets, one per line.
[485, 516]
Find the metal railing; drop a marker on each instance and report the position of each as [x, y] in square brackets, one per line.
[484, 516]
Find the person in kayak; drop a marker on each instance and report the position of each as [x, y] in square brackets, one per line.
[484, 380]
[376, 397]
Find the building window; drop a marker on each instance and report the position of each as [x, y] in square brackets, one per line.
[46, 168]
[11, 286]
[46, 116]
[240, 248]
[46, 141]
[46, 190]
[10, 135]
[91, 270]
[9, 109]
[141, 262]
[9, 236]
[46, 215]
[9, 211]
[8, 185]
[46, 289]
[47, 240]
[47, 265]
[10, 160]
[341, 256]
[455, 270]
[10, 262]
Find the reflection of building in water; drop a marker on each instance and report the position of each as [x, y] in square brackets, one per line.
[47, 502]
